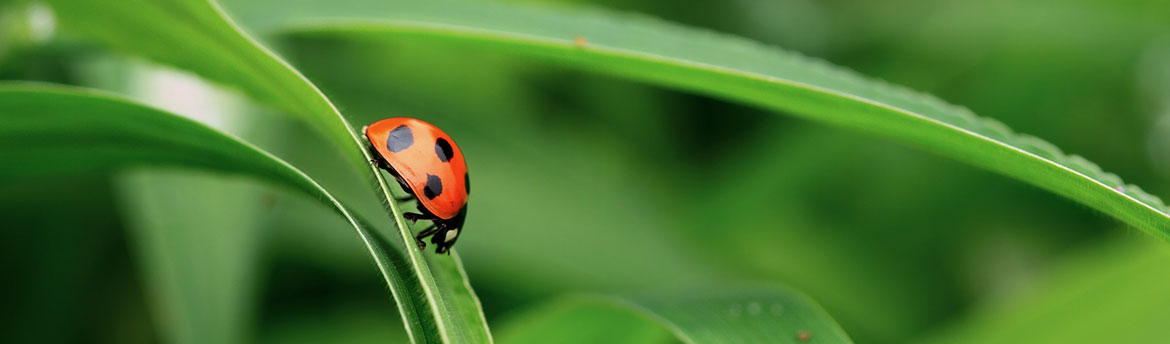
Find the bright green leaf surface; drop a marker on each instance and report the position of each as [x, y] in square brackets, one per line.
[195, 35]
[740, 70]
[98, 132]
[1114, 293]
[743, 316]
[51, 129]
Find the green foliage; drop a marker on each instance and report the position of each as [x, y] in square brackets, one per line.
[198, 237]
[1111, 293]
[195, 35]
[734, 315]
[745, 71]
[106, 133]
[593, 174]
[117, 133]
[98, 126]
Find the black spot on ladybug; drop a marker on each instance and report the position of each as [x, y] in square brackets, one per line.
[400, 139]
[467, 183]
[443, 150]
[434, 186]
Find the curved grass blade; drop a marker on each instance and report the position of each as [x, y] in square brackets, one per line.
[196, 35]
[745, 316]
[54, 130]
[740, 70]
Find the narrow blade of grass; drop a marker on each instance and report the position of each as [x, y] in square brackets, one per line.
[732, 68]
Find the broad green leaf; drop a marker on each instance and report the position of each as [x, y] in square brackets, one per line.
[196, 35]
[743, 316]
[736, 69]
[1110, 293]
[53, 130]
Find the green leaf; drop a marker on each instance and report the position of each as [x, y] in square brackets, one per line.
[53, 130]
[196, 35]
[736, 69]
[1111, 292]
[176, 218]
[739, 316]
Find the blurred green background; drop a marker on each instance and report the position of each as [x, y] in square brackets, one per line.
[585, 183]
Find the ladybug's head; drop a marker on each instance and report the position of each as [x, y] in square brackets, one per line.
[449, 231]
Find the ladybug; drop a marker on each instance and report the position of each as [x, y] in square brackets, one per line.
[430, 167]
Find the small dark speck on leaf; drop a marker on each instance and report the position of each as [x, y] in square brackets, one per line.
[804, 336]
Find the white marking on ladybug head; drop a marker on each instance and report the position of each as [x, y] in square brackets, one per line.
[451, 234]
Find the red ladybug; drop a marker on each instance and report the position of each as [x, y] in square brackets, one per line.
[429, 166]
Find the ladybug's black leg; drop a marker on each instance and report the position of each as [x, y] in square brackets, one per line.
[444, 247]
[440, 245]
[445, 238]
[418, 239]
[414, 217]
[405, 198]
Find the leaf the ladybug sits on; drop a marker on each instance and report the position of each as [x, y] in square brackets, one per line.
[429, 166]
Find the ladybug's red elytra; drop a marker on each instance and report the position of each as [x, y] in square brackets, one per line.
[429, 166]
